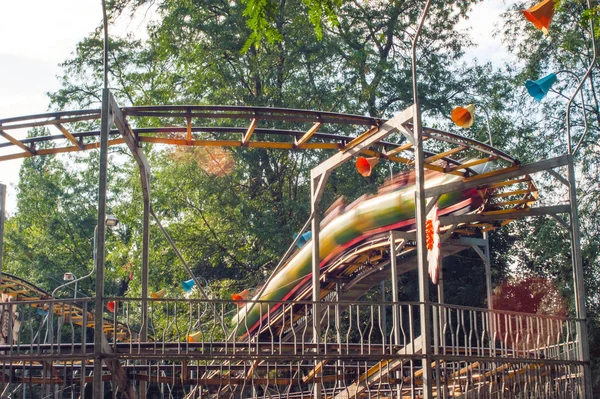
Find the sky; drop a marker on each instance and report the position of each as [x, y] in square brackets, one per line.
[37, 35]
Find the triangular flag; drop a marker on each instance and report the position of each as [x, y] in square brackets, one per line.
[432, 233]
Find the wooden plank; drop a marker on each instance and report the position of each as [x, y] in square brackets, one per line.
[308, 134]
[472, 163]
[60, 150]
[505, 183]
[491, 173]
[528, 201]
[188, 120]
[17, 142]
[508, 193]
[497, 175]
[249, 132]
[444, 154]
[361, 138]
[69, 136]
[398, 149]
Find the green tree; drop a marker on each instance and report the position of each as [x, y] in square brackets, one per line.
[567, 47]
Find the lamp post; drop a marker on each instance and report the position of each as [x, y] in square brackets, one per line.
[70, 278]
[110, 221]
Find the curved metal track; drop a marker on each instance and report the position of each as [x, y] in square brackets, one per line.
[22, 290]
[229, 126]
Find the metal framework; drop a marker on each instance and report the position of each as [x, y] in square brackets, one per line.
[334, 346]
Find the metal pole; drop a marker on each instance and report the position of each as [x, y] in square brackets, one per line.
[2, 217]
[145, 260]
[101, 224]
[580, 311]
[577, 258]
[316, 272]
[98, 319]
[395, 306]
[420, 221]
[487, 121]
[383, 308]
[488, 271]
[488, 286]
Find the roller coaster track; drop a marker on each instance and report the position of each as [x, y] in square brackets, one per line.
[231, 126]
[68, 311]
[348, 275]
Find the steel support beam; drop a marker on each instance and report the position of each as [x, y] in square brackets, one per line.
[144, 168]
[420, 218]
[317, 187]
[395, 299]
[101, 223]
[579, 288]
[488, 271]
[363, 142]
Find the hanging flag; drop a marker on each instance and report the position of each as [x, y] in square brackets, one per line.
[432, 234]
[241, 296]
[541, 15]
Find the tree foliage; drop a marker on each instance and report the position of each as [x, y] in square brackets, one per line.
[568, 47]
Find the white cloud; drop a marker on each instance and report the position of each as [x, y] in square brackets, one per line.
[484, 19]
[36, 36]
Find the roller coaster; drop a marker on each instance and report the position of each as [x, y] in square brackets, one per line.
[269, 345]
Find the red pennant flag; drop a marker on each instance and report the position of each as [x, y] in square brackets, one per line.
[432, 232]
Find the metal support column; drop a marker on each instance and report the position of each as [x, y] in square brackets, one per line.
[488, 271]
[2, 218]
[425, 308]
[144, 168]
[145, 258]
[105, 124]
[383, 308]
[317, 186]
[580, 312]
[395, 306]
[101, 223]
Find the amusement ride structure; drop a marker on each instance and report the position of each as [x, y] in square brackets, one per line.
[306, 332]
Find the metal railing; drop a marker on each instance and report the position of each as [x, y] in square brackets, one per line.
[194, 349]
